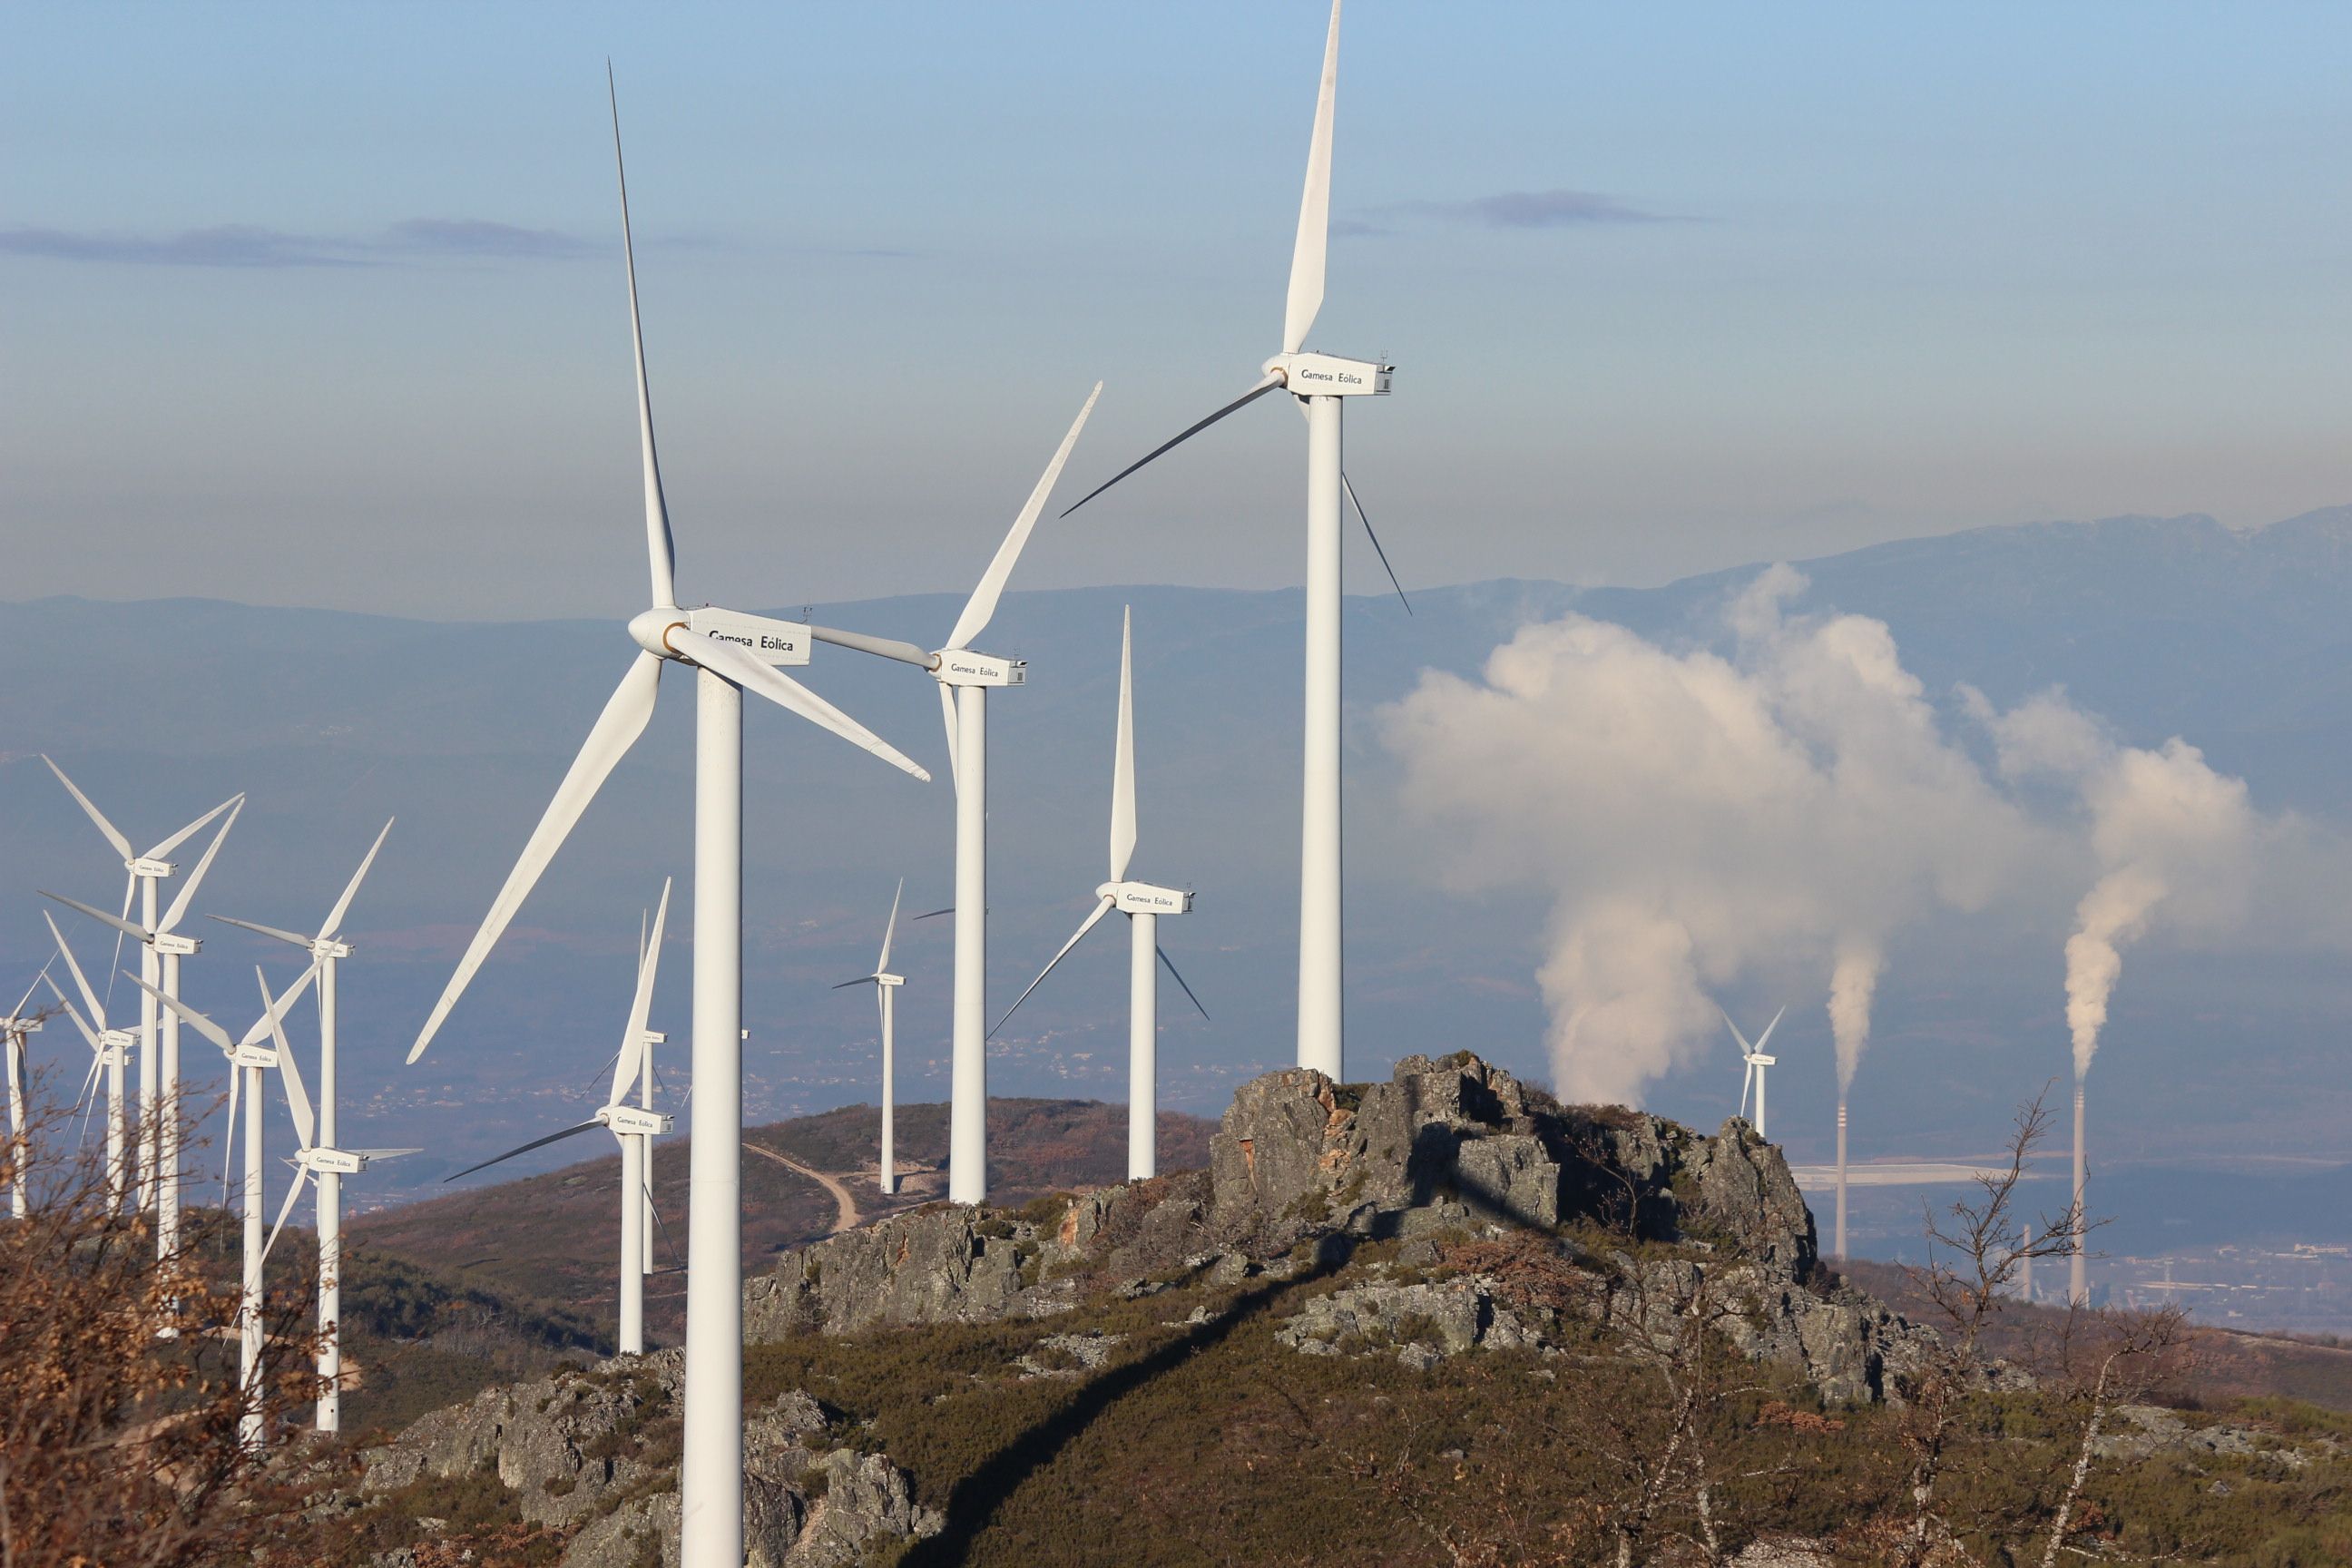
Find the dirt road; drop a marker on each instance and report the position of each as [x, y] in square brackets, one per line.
[847, 1215]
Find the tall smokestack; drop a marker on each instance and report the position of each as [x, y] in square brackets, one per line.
[2078, 1289]
[1841, 1192]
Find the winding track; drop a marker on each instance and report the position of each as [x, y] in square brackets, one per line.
[848, 1215]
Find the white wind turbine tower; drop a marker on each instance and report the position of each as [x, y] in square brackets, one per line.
[636, 1126]
[1321, 382]
[161, 949]
[1143, 904]
[327, 950]
[886, 986]
[248, 1058]
[729, 652]
[964, 677]
[14, 1030]
[107, 1047]
[1756, 1062]
[316, 1156]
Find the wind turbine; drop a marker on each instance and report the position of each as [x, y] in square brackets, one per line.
[1756, 1062]
[964, 679]
[316, 1156]
[14, 1030]
[327, 950]
[159, 955]
[248, 1058]
[730, 653]
[886, 985]
[107, 1047]
[1321, 382]
[636, 1126]
[1143, 904]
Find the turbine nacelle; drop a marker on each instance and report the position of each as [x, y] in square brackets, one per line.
[144, 866]
[886, 979]
[1146, 898]
[767, 640]
[626, 1120]
[264, 1058]
[1310, 374]
[176, 944]
[962, 666]
[115, 1044]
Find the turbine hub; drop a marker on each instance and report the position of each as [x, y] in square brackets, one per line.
[651, 628]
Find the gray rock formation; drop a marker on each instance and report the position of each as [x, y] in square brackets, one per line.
[1419, 1322]
[583, 1448]
[943, 1264]
[1301, 1169]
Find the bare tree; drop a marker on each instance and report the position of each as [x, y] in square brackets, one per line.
[2105, 1359]
[1975, 1254]
[119, 1396]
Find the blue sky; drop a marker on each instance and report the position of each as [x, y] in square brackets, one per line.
[321, 305]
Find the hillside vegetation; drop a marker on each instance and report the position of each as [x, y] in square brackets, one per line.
[1440, 1320]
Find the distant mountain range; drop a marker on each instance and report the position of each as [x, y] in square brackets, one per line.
[332, 722]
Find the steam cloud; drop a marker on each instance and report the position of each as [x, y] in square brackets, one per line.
[1783, 797]
[1698, 815]
[1852, 985]
[2174, 840]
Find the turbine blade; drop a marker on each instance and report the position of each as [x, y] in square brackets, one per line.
[633, 1037]
[617, 729]
[113, 834]
[881, 647]
[1745, 1080]
[188, 1015]
[1122, 762]
[292, 1193]
[298, 1099]
[1179, 981]
[228, 1139]
[661, 549]
[1263, 387]
[890, 927]
[74, 1012]
[273, 1011]
[732, 662]
[35, 985]
[947, 713]
[981, 605]
[125, 927]
[1100, 909]
[295, 938]
[1745, 1049]
[204, 863]
[180, 838]
[933, 914]
[861, 980]
[81, 981]
[1307, 255]
[1349, 486]
[1762, 1039]
[534, 1143]
[342, 905]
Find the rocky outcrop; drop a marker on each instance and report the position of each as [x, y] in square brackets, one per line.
[1302, 1168]
[596, 1450]
[943, 1264]
[1419, 1324]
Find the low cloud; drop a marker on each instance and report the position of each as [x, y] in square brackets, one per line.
[1520, 210]
[253, 246]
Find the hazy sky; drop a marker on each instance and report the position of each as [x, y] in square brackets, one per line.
[323, 305]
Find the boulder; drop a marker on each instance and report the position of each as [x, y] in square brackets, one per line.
[945, 1264]
[1418, 1322]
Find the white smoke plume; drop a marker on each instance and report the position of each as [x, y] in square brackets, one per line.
[1697, 816]
[2173, 840]
[1853, 983]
